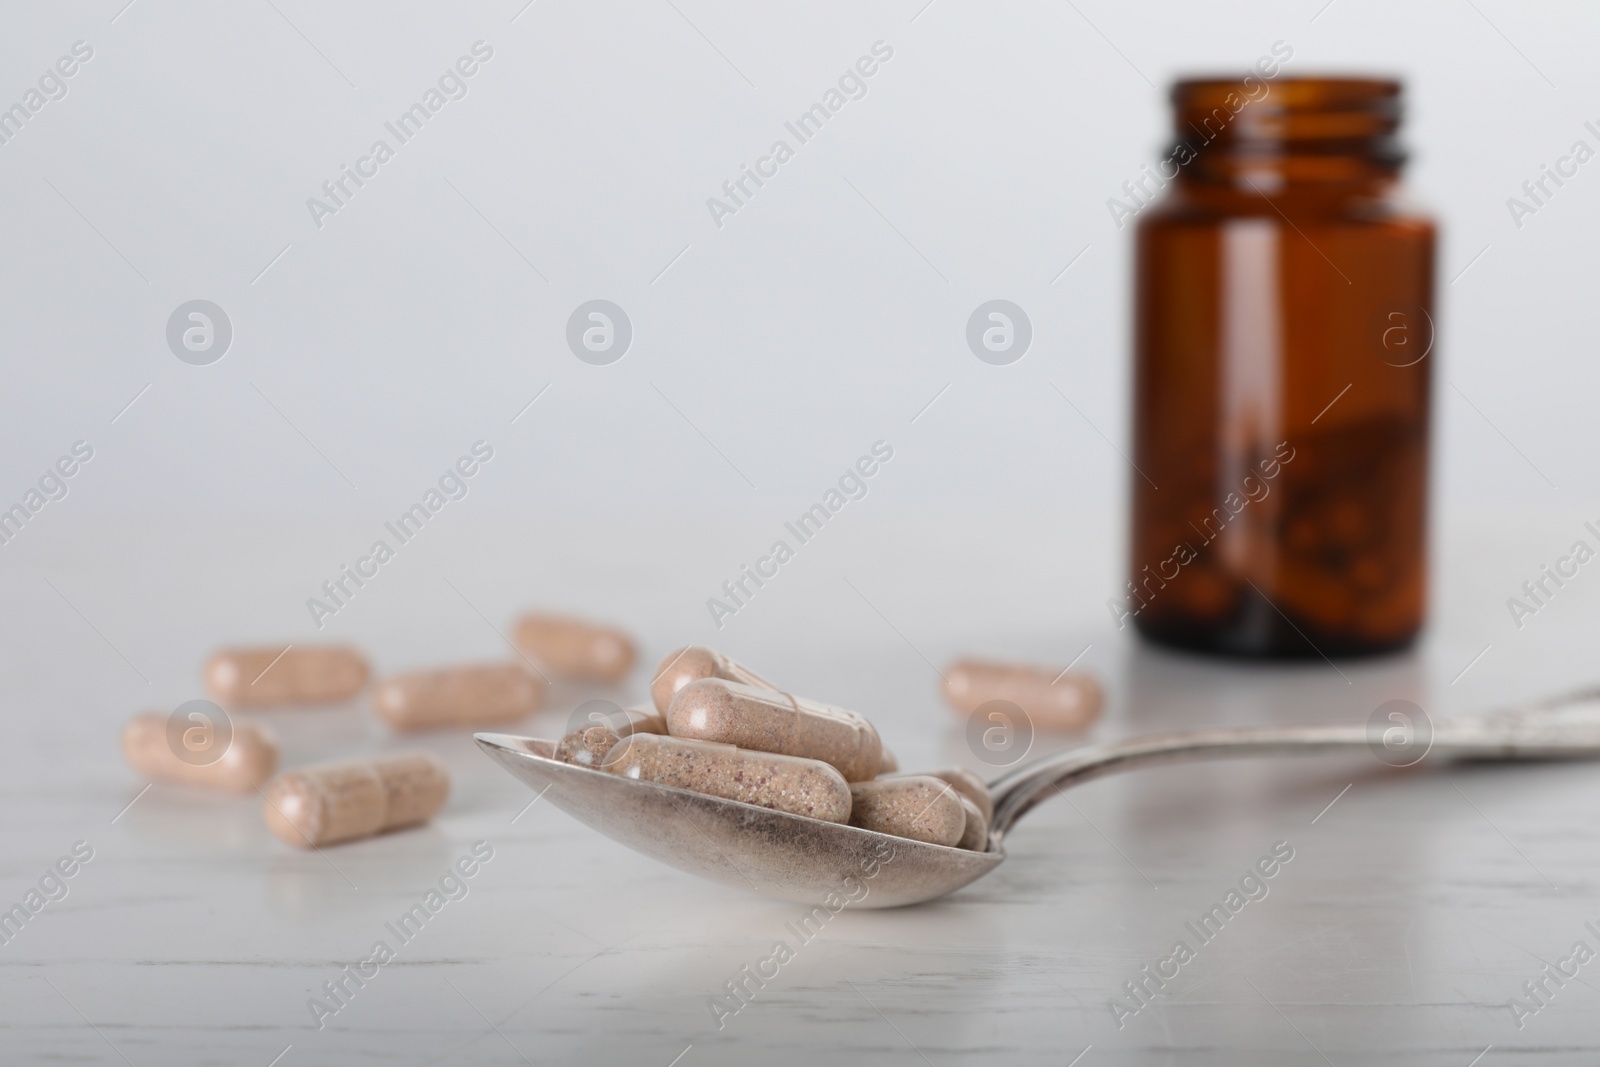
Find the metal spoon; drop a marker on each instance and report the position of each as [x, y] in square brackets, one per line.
[808, 860]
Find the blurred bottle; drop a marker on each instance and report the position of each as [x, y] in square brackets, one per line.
[1281, 392]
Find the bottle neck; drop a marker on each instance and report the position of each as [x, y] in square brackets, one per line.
[1310, 136]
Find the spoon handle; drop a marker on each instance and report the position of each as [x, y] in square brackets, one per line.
[1567, 727]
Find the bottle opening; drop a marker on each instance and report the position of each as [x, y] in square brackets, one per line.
[1294, 129]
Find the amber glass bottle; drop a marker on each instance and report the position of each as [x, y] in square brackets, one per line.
[1284, 334]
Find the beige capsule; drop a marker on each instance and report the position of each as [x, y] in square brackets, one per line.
[975, 831]
[335, 802]
[574, 648]
[625, 721]
[1051, 699]
[299, 674]
[731, 713]
[970, 786]
[783, 783]
[888, 764]
[250, 759]
[692, 664]
[919, 807]
[480, 694]
[587, 747]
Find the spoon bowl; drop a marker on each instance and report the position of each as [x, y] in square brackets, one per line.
[742, 845]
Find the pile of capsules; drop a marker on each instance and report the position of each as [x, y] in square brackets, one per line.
[336, 802]
[721, 729]
[716, 728]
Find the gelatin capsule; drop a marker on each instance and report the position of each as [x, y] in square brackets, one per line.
[731, 713]
[887, 764]
[784, 783]
[916, 806]
[249, 759]
[481, 694]
[692, 664]
[573, 648]
[300, 674]
[1051, 699]
[587, 747]
[336, 802]
[623, 721]
[975, 831]
[970, 786]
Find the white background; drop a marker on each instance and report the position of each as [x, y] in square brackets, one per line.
[811, 324]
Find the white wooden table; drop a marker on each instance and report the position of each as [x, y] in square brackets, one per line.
[1414, 908]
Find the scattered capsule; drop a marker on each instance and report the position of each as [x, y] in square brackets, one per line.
[249, 760]
[587, 747]
[917, 806]
[784, 783]
[970, 786]
[336, 802]
[692, 664]
[975, 831]
[1053, 700]
[573, 648]
[731, 713]
[475, 695]
[298, 674]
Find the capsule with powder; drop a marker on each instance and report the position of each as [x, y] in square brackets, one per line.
[1064, 701]
[587, 747]
[732, 713]
[783, 783]
[918, 807]
[970, 786]
[484, 694]
[693, 663]
[975, 831]
[592, 736]
[575, 649]
[294, 674]
[888, 764]
[620, 721]
[248, 760]
[328, 804]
